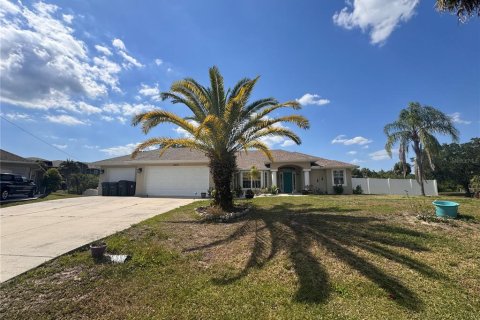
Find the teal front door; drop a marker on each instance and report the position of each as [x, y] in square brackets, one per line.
[287, 182]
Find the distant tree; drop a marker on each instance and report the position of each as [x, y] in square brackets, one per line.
[82, 167]
[417, 125]
[402, 170]
[464, 9]
[255, 174]
[52, 180]
[67, 168]
[458, 163]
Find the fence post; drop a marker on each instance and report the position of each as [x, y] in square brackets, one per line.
[435, 189]
[411, 187]
[368, 185]
[389, 188]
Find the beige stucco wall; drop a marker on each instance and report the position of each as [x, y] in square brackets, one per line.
[347, 189]
[319, 178]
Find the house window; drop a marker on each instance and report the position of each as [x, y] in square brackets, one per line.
[338, 177]
[247, 181]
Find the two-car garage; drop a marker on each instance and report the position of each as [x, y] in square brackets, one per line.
[157, 181]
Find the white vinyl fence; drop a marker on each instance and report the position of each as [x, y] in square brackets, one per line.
[395, 186]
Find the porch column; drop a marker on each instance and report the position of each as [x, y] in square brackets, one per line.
[306, 175]
[240, 183]
[274, 177]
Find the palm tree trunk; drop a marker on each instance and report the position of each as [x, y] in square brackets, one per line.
[222, 169]
[419, 164]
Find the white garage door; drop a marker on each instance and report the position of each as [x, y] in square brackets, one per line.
[176, 181]
[117, 174]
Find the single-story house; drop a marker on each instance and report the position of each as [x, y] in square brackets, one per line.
[185, 172]
[12, 163]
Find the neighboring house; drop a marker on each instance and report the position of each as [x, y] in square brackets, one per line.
[89, 168]
[185, 172]
[12, 163]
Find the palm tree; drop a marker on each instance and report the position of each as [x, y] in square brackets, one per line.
[417, 125]
[222, 123]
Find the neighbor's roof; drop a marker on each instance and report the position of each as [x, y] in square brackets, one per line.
[245, 160]
[11, 157]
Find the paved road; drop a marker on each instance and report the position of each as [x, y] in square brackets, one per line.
[34, 233]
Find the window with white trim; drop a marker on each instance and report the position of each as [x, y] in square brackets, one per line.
[338, 177]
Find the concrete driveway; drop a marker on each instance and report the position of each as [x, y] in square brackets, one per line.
[34, 233]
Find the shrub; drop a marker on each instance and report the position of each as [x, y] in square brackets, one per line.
[238, 192]
[358, 190]
[338, 189]
[273, 190]
[80, 182]
[249, 194]
[52, 180]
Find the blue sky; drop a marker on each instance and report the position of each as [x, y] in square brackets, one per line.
[74, 72]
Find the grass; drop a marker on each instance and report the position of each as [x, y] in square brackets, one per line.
[52, 196]
[312, 257]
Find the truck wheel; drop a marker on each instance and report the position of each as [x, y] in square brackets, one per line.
[31, 194]
[5, 194]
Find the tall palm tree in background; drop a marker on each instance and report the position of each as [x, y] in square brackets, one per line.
[417, 125]
[222, 123]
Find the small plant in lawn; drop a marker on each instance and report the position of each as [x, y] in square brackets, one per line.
[338, 189]
[273, 189]
[358, 190]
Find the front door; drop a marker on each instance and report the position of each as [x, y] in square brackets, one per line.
[287, 182]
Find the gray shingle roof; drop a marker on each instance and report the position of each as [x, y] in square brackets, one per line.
[8, 156]
[245, 160]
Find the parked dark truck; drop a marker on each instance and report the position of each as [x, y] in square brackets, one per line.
[16, 184]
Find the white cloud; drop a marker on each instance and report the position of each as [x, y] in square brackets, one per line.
[103, 49]
[184, 133]
[123, 150]
[117, 43]
[158, 62]
[312, 99]
[129, 61]
[169, 70]
[356, 161]
[60, 146]
[151, 92]
[65, 119]
[68, 18]
[16, 116]
[43, 64]
[456, 118]
[352, 152]
[87, 108]
[378, 17]
[288, 143]
[107, 118]
[381, 154]
[366, 146]
[127, 109]
[342, 139]
[122, 120]
[86, 146]
[120, 150]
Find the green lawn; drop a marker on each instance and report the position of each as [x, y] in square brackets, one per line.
[51, 196]
[313, 257]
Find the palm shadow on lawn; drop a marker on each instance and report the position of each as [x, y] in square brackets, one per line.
[298, 232]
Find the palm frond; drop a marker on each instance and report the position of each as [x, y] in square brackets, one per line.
[153, 118]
